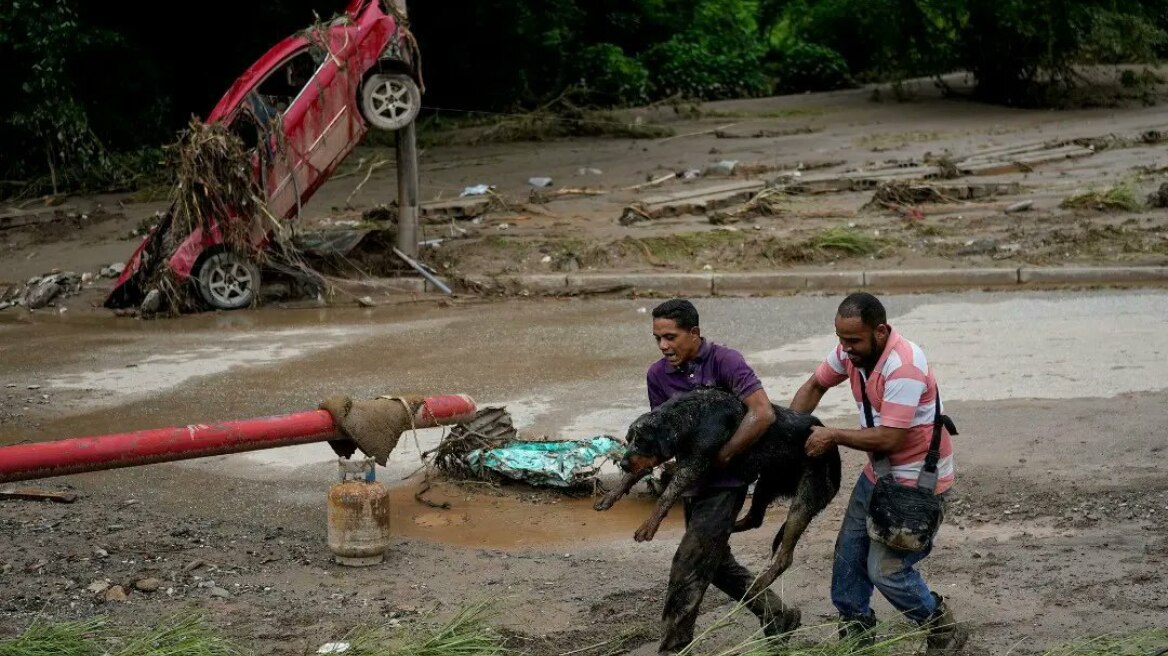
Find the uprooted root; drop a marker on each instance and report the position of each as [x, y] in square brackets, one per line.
[491, 428]
[767, 202]
[899, 193]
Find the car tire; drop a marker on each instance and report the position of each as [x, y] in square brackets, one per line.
[390, 101]
[228, 281]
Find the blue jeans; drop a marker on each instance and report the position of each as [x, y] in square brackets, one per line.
[861, 565]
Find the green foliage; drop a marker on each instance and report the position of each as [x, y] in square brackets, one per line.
[45, 119]
[803, 66]
[611, 77]
[1025, 52]
[719, 55]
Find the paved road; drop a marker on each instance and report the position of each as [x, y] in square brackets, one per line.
[564, 369]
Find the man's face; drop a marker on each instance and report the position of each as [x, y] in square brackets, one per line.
[677, 345]
[862, 344]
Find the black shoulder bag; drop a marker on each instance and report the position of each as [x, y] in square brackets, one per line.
[906, 518]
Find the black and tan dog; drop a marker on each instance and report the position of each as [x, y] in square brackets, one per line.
[692, 427]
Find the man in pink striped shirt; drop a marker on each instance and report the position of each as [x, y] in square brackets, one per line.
[902, 397]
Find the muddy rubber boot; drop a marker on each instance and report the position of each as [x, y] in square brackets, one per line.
[858, 630]
[946, 637]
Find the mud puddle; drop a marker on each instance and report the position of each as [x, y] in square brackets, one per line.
[518, 518]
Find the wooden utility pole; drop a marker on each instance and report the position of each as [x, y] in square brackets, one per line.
[406, 145]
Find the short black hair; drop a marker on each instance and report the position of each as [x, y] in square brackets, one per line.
[863, 305]
[681, 311]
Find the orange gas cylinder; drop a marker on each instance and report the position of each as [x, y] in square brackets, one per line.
[358, 515]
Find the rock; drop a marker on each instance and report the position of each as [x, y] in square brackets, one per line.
[366, 301]
[114, 270]
[983, 246]
[43, 292]
[725, 167]
[34, 387]
[540, 182]
[148, 585]
[1021, 206]
[116, 593]
[1160, 197]
[86, 278]
[194, 565]
[152, 303]
[101, 553]
[220, 592]
[98, 587]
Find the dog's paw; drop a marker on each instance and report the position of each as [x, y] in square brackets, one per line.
[603, 504]
[646, 532]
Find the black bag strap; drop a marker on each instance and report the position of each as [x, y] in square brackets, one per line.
[880, 464]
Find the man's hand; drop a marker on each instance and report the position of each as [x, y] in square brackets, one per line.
[760, 414]
[725, 455]
[822, 438]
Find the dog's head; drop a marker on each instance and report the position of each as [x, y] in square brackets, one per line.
[650, 443]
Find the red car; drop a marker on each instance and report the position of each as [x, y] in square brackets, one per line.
[328, 87]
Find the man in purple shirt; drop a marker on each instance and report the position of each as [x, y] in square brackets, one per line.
[711, 506]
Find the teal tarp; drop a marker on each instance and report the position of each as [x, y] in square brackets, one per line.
[560, 464]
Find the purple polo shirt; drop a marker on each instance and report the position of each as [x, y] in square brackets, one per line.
[714, 366]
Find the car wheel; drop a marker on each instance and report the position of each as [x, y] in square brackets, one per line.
[389, 101]
[228, 281]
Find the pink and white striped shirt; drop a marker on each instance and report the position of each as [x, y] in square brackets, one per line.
[902, 391]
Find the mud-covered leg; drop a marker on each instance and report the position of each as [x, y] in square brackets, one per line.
[621, 489]
[764, 493]
[805, 506]
[686, 474]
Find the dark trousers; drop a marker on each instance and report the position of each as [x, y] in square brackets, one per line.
[704, 557]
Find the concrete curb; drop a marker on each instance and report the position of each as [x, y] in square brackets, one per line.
[789, 282]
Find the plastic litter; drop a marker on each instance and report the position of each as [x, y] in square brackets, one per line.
[477, 190]
[564, 463]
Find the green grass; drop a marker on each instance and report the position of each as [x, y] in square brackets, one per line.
[1119, 197]
[847, 240]
[468, 633]
[56, 639]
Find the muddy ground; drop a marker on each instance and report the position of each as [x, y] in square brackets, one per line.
[1060, 532]
[814, 135]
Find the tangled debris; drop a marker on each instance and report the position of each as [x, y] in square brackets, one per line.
[43, 291]
[897, 193]
[215, 192]
[491, 428]
[768, 202]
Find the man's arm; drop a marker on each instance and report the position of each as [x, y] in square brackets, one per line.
[760, 414]
[809, 395]
[879, 439]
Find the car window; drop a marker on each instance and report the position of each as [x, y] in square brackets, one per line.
[285, 83]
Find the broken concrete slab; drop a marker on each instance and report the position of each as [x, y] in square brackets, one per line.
[1011, 162]
[698, 200]
[467, 207]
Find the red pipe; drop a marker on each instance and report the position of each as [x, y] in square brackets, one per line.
[82, 454]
